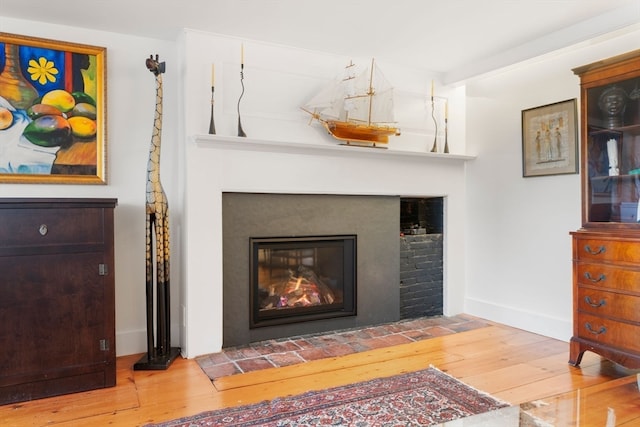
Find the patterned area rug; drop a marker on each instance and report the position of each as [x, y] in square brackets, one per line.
[420, 398]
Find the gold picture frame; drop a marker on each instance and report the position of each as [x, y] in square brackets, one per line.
[52, 111]
[550, 139]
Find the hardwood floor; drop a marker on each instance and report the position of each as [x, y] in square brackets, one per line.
[508, 363]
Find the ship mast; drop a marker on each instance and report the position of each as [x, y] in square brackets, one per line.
[370, 93]
[349, 95]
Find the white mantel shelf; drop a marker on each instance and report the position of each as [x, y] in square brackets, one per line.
[253, 144]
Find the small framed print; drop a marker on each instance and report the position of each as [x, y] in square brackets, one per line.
[550, 139]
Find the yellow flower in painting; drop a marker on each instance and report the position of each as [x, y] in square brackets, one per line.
[42, 70]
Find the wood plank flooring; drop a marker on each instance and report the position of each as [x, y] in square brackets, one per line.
[509, 363]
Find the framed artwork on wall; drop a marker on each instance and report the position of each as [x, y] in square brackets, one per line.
[550, 139]
[52, 111]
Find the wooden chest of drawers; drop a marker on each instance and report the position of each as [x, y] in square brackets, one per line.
[606, 296]
[57, 297]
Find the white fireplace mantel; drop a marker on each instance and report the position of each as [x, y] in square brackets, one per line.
[217, 164]
[253, 144]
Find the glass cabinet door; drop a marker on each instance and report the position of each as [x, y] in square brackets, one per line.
[613, 152]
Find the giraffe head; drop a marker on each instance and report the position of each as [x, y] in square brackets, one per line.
[154, 66]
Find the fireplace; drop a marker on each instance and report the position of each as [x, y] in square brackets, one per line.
[354, 256]
[297, 279]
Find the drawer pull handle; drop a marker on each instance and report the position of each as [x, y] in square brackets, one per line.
[589, 328]
[43, 229]
[596, 279]
[588, 300]
[599, 251]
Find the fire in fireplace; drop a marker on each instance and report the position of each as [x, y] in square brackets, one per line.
[296, 279]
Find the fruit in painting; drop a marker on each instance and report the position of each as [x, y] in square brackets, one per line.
[61, 99]
[39, 110]
[85, 110]
[6, 118]
[82, 127]
[57, 118]
[81, 97]
[48, 131]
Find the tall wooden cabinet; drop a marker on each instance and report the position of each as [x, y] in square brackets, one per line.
[606, 250]
[57, 305]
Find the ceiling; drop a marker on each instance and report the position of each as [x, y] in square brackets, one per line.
[455, 38]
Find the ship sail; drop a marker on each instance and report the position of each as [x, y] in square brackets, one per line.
[356, 108]
[324, 103]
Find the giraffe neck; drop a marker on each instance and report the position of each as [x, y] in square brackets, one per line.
[153, 168]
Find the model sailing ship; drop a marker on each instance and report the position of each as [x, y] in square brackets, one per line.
[357, 109]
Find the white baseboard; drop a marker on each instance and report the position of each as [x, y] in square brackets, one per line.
[131, 342]
[134, 342]
[548, 326]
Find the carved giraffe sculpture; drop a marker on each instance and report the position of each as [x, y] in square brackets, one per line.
[159, 354]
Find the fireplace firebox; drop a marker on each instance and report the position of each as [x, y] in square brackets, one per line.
[297, 279]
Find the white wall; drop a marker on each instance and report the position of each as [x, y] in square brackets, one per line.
[519, 248]
[130, 108]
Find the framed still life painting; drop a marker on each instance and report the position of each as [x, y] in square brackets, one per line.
[550, 139]
[52, 111]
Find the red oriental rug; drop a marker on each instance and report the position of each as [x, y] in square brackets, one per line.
[420, 398]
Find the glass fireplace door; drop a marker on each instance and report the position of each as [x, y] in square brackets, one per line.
[302, 278]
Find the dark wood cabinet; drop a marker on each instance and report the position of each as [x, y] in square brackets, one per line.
[57, 297]
[606, 250]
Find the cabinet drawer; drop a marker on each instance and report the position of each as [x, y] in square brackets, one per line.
[604, 250]
[607, 331]
[602, 303]
[44, 227]
[608, 276]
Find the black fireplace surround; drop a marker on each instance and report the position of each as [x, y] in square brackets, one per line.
[372, 219]
[297, 279]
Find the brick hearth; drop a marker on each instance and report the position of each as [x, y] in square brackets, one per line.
[301, 349]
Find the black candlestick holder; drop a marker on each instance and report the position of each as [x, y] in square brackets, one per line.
[434, 149]
[212, 124]
[446, 135]
[240, 130]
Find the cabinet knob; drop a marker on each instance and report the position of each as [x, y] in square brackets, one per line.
[43, 229]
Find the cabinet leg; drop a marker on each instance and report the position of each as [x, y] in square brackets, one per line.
[575, 353]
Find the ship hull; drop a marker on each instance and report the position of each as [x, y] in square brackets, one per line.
[360, 133]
